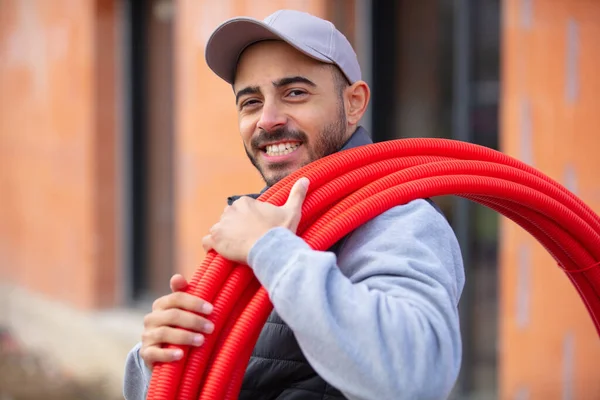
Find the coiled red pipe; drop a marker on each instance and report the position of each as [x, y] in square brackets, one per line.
[348, 189]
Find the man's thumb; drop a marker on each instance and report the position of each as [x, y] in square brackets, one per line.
[297, 194]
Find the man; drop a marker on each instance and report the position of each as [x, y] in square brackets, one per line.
[373, 318]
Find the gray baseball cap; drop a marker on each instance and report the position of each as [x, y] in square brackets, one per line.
[313, 36]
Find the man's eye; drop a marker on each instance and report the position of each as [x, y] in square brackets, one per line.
[249, 102]
[296, 93]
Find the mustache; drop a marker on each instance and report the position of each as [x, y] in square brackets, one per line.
[278, 135]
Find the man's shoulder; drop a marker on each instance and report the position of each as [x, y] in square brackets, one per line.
[415, 218]
[419, 209]
[407, 236]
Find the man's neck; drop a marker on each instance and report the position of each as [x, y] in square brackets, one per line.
[360, 137]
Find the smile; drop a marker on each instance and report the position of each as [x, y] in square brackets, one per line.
[281, 149]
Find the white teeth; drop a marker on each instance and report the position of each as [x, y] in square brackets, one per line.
[281, 148]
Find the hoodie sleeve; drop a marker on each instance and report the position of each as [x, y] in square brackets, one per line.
[137, 376]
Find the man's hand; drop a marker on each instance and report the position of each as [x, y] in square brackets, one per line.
[247, 220]
[167, 323]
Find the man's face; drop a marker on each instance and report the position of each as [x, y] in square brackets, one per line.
[290, 109]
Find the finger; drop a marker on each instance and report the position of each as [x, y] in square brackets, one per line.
[178, 318]
[182, 301]
[178, 283]
[208, 243]
[169, 335]
[297, 194]
[154, 354]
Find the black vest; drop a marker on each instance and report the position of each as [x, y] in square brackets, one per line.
[278, 369]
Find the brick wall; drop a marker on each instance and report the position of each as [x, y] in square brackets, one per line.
[57, 137]
[550, 117]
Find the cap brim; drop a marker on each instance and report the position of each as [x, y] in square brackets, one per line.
[230, 39]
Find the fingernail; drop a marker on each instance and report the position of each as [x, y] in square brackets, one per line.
[177, 354]
[207, 308]
[209, 327]
[198, 340]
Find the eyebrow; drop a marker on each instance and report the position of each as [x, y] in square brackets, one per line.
[278, 83]
[245, 91]
[293, 79]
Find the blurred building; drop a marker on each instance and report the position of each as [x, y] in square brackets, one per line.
[119, 147]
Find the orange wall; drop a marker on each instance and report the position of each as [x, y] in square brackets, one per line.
[549, 347]
[57, 133]
[61, 229]
[210, 160]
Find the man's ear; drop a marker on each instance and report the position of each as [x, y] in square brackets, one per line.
[357, 98]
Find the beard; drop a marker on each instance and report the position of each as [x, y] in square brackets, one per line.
[330, 139]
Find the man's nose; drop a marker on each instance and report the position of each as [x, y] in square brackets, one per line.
[271, 117]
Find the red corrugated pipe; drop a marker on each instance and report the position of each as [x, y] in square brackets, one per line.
[346, 190]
